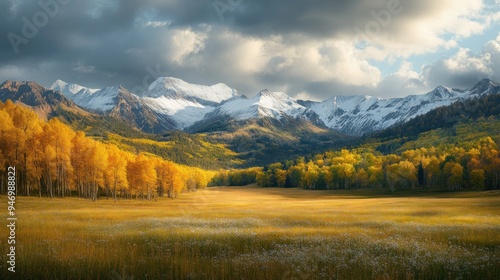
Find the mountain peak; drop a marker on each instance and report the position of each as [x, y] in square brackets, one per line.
[265, 92]
[275, 95]
[68, 89]
[22, 87]
[485, 86]
[58, 83]
[264, 104]
[9, 84]
[487, 81]
[103, 100]
[177, 88]
[441, 92]
[41, 99]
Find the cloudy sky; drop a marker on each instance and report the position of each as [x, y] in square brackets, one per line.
[308, 49]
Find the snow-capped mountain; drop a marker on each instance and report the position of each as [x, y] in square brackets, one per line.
[484, 87]
[358, 115]
[177, 104]
[174, 88]
[185, 103]
[69, 90]
[91, 99]
[130, 109]
[103, 100]
[264, 104]
[183, 111]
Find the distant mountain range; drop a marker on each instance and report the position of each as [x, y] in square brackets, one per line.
[267, 127]
[173, 104]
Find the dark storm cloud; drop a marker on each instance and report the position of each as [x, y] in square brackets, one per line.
[101, 43]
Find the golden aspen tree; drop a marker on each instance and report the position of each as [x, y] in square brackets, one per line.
[345, 173]
[57, 138]
[97, 165]
[89, 160]
[202, 178]
[311, 176]
[280, 175]
[34, 158]
[177, 180]
[141, 175]
[407, 174]
[78, 162]
[392, 176]
[6, 141]
[133, 176]
[168, 177]
[116, 172]
[361, 178]
[295, 174]
[376, 176]
[454, 173]
[48, 166]
[15, 141]
[432, 171]
[26, 127]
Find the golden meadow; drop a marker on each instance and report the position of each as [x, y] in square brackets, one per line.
[261, 233]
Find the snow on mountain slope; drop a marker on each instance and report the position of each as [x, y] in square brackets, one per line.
[172, 98]
[71, 89]
[484, 87]
[92, 99]
[175, 88]
[185, 103]
[103, 100]
[182, 105]
[264, 104]
[184, 112]
[357, 115]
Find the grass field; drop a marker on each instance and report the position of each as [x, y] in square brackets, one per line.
[253, 233]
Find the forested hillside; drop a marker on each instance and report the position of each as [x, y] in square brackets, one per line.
[449, 148]
[465, 111]
[472, 165]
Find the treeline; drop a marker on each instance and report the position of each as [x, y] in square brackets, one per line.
[236, 177]
[446, 167]
[53, 160]
[442, 117]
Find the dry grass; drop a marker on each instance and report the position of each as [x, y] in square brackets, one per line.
[252, 233]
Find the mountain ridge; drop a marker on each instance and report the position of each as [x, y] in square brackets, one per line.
[45, 102]
[173, 104]
[289, 129]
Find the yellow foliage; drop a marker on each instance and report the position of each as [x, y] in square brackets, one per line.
[55, 160]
